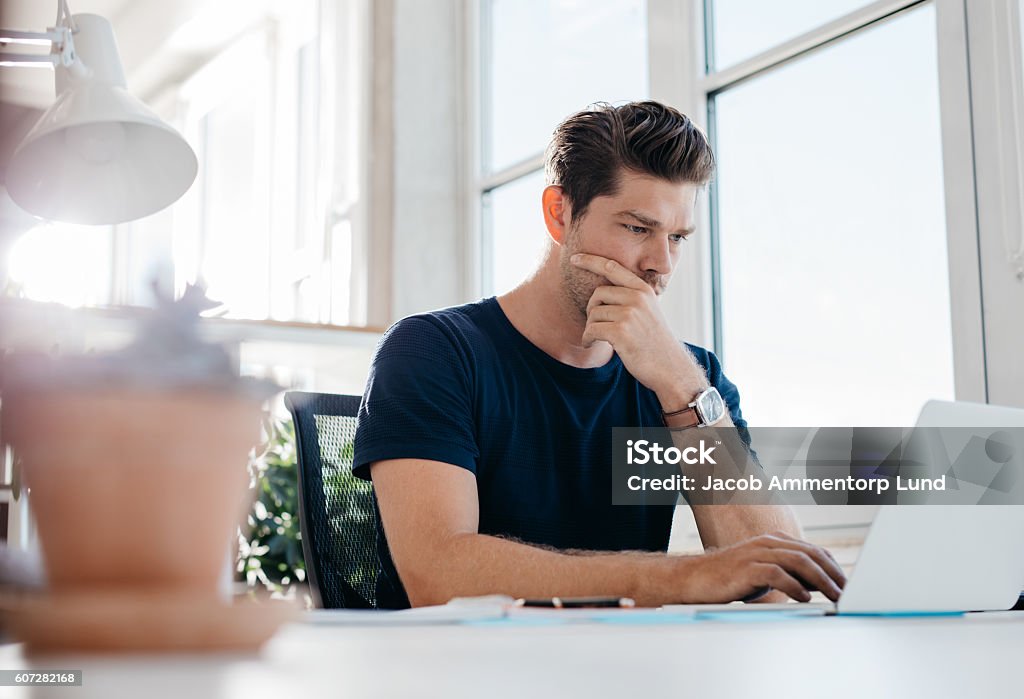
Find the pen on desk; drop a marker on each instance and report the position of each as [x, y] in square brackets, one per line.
[576, 602]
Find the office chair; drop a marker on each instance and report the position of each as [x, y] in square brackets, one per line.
[336, 512]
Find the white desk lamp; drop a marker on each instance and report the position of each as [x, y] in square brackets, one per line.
[98, 155]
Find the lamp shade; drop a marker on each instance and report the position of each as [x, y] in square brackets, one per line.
[98, 155]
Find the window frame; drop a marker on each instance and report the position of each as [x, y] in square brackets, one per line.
[478, 277]
[479, 182]
[993, 36]
[973, 54]
[982, 126]
[973, 136]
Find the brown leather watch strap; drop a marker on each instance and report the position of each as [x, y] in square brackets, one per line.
[681, 419]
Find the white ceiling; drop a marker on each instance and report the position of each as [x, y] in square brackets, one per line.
[160, 41]
[32, 14]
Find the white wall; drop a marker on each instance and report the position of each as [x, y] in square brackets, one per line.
[427, 242]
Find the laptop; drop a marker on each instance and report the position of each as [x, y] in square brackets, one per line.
[931, 559]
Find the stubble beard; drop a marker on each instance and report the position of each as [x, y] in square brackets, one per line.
[579, 284]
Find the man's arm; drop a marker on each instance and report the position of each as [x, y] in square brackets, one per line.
[626, 314]
[430, 516]
[724, 525]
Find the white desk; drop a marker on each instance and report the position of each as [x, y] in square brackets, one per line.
[976, 655]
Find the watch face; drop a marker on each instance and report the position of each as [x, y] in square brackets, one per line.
[710, 406]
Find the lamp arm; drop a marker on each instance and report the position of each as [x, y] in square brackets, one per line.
[60, 39]
[13, 36]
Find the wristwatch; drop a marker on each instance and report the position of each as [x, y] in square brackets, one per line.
[706, 409]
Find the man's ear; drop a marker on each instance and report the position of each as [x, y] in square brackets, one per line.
[556, 213]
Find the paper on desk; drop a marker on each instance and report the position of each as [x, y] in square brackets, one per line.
[640, 616]
[457, 611]
[501, 610]
[492, 609]
[441, 614]
[739, 609]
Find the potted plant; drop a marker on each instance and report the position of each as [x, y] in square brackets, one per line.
[135, 462]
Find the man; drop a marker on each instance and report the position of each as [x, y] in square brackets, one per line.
[486, 428]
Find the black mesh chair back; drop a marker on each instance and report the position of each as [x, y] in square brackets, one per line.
[336, 512]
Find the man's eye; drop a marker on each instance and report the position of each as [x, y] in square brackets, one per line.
[635, 229]
[678, 238]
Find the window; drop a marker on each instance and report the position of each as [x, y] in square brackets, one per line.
[542, 60]
[560, 55]
[744, 28]
[265, 238]
[512, 215]
[277, 209]
[833, 271]
[231, 123]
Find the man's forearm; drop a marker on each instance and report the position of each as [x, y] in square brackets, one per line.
[721, 525]
[724, 524]
[478, 564]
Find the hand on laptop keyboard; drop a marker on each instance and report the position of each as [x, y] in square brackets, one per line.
[750, 569]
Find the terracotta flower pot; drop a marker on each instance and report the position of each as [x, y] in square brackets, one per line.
[134, 488]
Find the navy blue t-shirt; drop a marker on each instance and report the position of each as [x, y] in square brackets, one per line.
[463, 386]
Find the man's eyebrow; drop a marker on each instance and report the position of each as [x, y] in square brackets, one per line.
[646, 220]
[651, 222]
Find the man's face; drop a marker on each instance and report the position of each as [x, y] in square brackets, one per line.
[642, 227]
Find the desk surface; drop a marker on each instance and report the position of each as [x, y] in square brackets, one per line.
[974, 655]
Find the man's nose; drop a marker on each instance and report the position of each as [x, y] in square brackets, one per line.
[657, 255]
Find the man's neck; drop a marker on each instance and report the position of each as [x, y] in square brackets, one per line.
[541, 311]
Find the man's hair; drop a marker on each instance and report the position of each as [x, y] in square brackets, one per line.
[590, 149]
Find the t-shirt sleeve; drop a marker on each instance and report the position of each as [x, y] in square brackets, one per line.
[418, 399]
